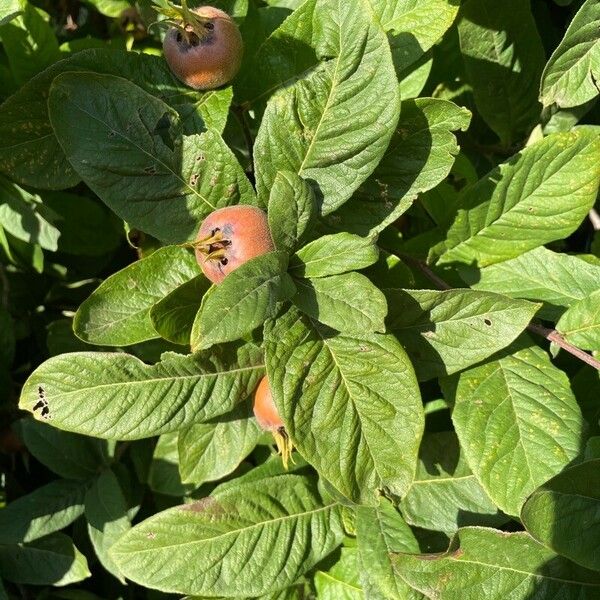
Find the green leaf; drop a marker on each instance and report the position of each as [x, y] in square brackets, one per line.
[419, 156]
[23, 215]
[133, 155]
[118, 312]
[504, 58]
[164, 477]
[29, 43]
[445, 495]
[51, 560]
[333, 126]
[349, 303]
[580, 325]
[117, 396]
[334, 254]
[563, 514]
[287, 54]
[445, 332]
[210, 451]
[540, 195]
[242, 302]
[235, 542]
[47, 509]
[106, 514]
[110, 8]
[484, 563]
[351, 405]
[173, 316]
[340, 581]
[29, 151]
[518, 424]
[9, 11]
[559, 280]
[572, 73]
[381, 531]
[292, 210]
[67, 454]
[410, 28]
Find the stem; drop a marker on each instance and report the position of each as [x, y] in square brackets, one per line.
[240, 113]
[550, 334]
[595, 219]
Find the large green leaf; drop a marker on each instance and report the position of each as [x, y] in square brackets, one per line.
[107, 519]
[504, 58]
[419, 156]
[351, 404]
[173, 316]
[119, 397]
[445, 332]
[349, 303]
[563, 514]
[572, 73]
[118, 312]
[334, 254]
[410, 28]
[341, 580]
[518, 424]
[51, 560]
[381, 531]
[243, 301]
[29, 151]
[134, 156]
[47, 509]
[24, 216]
[484, 563]
[580, 325]
[333, 126]
[559, 280]
[540, 195]
[248, 539]
[210, 451]
[445, 495]
[67, 454]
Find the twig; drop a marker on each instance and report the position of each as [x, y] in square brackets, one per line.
[550, 334]
[595, 219]
[240, 113]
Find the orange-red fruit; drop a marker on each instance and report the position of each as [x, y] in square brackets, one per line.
[209, 59]
[264, 408]
[245, 233]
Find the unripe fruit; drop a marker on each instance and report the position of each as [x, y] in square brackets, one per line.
[268, 419]
[208, 58]
[229, 237]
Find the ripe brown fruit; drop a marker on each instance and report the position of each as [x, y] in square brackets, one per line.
[207, 55]
[268, 419]
[229, 237]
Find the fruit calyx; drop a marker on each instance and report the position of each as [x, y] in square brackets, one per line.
[213, 246]
[284, 446]
[191, 27]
